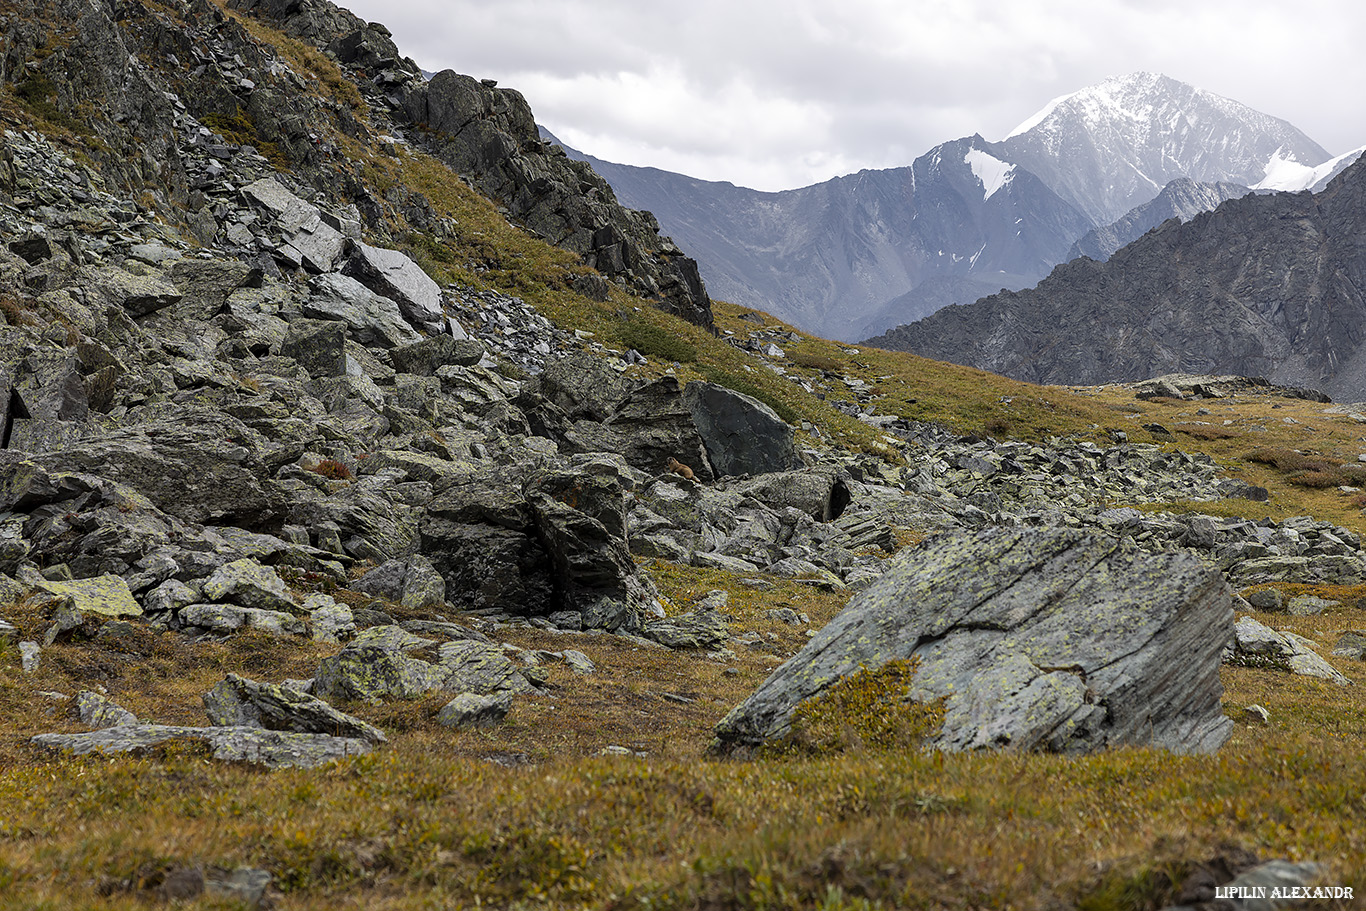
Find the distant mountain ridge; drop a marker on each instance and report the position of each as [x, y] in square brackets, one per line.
[830, 256]
[1266, 285]
[1182, 199]
[858, 254]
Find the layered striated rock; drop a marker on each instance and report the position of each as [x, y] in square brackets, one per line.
[1051, 639]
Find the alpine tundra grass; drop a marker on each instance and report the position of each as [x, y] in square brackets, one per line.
[599, 792]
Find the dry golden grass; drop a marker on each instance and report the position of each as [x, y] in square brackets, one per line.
[435, 819]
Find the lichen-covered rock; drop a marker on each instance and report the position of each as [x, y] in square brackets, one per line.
[472, 710]
[696, 629]
[249, 584]
[1286, 650]
[374, 673]
[240, 702]
[474, 667]
[100, 712]
[1050, 639]
[411, 581]
[228, 618]
[105, 596]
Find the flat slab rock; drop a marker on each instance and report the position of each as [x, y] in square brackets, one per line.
[1049, 639]
[272, 749]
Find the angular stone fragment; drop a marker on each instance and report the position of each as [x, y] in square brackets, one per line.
[105, 596]
[1035, 639]
[272, 749]
[742, 435]
[373, 320]
[392, 274]
[411, 581]
[1284, 649]
[97, 711]
[249, 584]
[238, 701]
[697, 629]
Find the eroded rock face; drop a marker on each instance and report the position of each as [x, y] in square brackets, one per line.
[1053, 640]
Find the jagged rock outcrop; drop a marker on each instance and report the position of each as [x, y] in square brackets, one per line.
[1269, 286]
[489, 134]
[1048, 639]
[240, 702]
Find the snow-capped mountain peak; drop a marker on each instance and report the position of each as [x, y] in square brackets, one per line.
[1115, 145]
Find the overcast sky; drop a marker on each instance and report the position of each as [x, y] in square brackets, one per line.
[774, 94]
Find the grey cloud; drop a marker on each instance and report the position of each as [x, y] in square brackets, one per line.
[801, 88]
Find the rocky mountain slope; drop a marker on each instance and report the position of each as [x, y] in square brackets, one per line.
[1113, 146]
[831, 256]
[1262, 286]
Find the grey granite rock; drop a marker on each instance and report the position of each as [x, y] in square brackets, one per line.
[1049, 639]
[240, 702]
[98, 711]
[272, 749]
[472, 710]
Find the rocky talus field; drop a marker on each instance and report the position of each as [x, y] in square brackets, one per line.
[389, 519]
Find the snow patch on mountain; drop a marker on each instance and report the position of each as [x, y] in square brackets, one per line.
[991, 171]
[1284, 173]
[1039, 116]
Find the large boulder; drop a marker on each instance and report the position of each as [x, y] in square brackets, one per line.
[742, 435]
[373, 320]
[651, 425]
[1034, 639]
[411, 581]
[555, 542]
[391, 274]
[197, 464]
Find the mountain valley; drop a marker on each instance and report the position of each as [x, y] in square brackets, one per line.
[858, 255]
